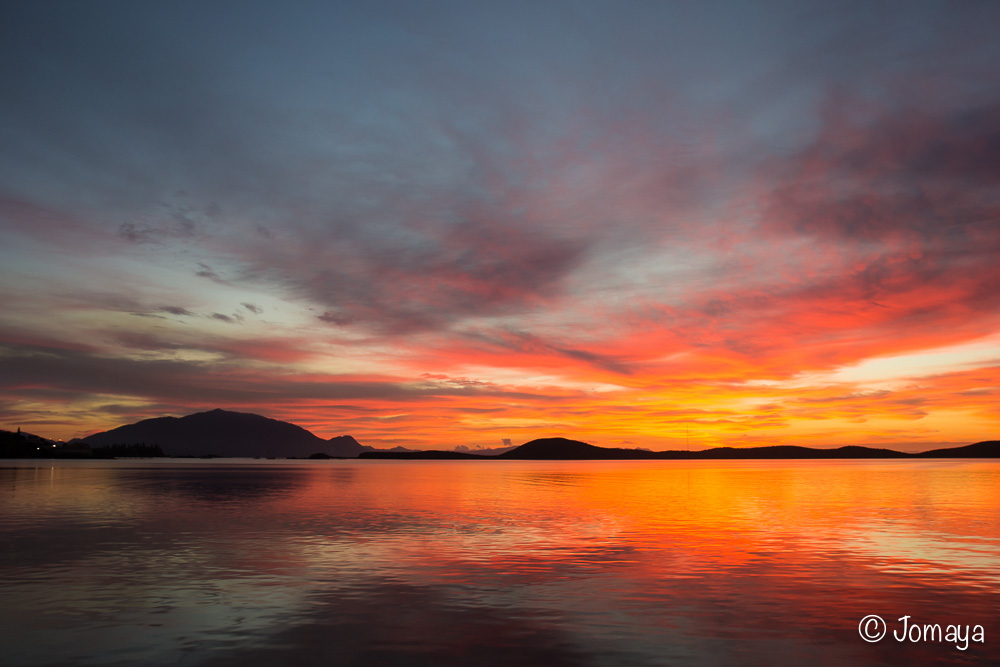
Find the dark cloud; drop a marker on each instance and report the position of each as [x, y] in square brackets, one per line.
[130, 232]
[903, 217]
[256, 349]
[253, 308]
[118, 301]
[141, 341]
[524, 342]
[206, 272]
[137, 412]
[167, 222]
[198, 383]
[339, 319]
[901, 178]
[446, 274]
[127, 298]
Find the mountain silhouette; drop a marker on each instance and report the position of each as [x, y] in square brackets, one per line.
[565, 449]
[346, 445]
[225, 433]
[240, 434]
[988, 449]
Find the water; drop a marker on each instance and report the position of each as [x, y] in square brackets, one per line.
[492, 563]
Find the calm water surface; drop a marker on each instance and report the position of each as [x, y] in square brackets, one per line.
[494, 562]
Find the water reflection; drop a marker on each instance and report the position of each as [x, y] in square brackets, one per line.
[414, 562]
[234, 484]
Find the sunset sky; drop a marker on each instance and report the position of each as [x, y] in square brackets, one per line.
[431, 224]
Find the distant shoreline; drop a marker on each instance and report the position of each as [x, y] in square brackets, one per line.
[561, 449]
[222, 433]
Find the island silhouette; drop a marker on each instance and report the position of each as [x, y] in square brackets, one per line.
[226, 433]
[564, 449]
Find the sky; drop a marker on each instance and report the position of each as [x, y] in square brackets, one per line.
[435, 224]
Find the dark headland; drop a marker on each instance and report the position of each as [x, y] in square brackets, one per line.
[227, 433]
[563, 449]
[216, 433]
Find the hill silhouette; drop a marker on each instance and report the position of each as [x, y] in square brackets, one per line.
[987, 449]
[225, 433]
[23, 445]
[564, 449]
[239, 434]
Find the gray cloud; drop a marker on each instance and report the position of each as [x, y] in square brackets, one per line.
[197, 383]
[207, 272]
[468, 270]
[332, 317]
[141, 341]
[522, 341]
[910, 176]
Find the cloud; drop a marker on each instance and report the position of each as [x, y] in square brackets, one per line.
[174, 218]
[332, 317]
[907, 178]
[449, 273]
[208, 272]
[596, 215]
[191, 382]
[142, 341]
[904, 206]
[284, 349]
[36, 219]
[533, 345]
